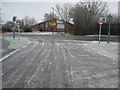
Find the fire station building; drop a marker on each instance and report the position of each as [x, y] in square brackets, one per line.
[53, 25]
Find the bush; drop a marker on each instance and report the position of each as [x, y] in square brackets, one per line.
[5, 28]
[27, 29]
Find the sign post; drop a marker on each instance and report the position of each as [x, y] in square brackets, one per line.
[13, 28]
[100, 33]
[100, 21]
[18, 24]
[109, 19]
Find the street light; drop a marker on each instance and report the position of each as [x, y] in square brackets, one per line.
[53, 17]
[53, 11]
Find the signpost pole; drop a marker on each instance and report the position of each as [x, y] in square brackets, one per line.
[100, 21]
[19, 31]
[13, 34]
[100, 33]
[14, 26]
[13, 29]
[109, 33]
[18, 24]
[109, 19]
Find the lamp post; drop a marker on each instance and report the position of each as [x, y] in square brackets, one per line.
[53, 11]
[53, 17]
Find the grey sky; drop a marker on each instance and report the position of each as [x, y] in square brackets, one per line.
[36, 9]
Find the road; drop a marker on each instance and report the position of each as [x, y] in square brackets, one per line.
[52, 61]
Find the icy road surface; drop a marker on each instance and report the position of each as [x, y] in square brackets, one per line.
[52, 62]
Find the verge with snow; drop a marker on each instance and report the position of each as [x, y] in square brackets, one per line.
[109, 50]
[37, 33]
[18, 43]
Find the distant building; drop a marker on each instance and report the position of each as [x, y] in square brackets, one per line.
[53, 25]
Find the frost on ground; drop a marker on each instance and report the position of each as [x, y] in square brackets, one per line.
[38, 33]
[17, 43]
[109, 50]
[45, 33]
[94, 65]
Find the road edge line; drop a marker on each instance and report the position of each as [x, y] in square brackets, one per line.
[9, 54]
[13, 52]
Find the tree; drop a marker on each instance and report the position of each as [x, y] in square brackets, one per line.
[7, 27]
[79, 21]
[64, 12]
[26, 20]
[49, 16]
[26, 23]
[32, 21]
[29, 21]
[115, 26]
[27, 29]
[86, 15]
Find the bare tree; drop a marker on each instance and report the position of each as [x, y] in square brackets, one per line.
[88, 13]
[49, 16]
[32, 21]
[26, 20]
[29, 21]
[64, 12]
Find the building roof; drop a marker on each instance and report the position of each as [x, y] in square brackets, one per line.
[71, 22]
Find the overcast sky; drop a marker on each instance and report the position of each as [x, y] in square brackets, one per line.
[36, 9]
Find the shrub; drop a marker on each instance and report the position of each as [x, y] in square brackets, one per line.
[27, 29]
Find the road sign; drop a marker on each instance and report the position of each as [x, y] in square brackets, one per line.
[14, 18]
[109, 18]
[18, 21]
[101, 20]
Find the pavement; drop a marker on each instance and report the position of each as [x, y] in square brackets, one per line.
[57, 61]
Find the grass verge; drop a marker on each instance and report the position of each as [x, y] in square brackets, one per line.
[109, 50]
[17, 43]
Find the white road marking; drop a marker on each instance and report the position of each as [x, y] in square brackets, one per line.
[9, 55]
[43, 44]
[42, 69]
[57, 67]
[55, 57]
[1, 74]
[26, 45]
[84, 55]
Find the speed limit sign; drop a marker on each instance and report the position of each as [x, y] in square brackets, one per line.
[18, 21]
[101, 20]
